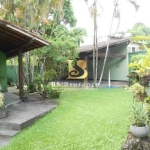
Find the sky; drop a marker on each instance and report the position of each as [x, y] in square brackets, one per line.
[128, 15]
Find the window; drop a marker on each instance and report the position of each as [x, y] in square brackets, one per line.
[133, 49]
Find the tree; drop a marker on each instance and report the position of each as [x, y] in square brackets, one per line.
[139, 29]
[65, 45]
[94, 12]
[116, 13]
[107, 48]
[34, 15]
[49, 19]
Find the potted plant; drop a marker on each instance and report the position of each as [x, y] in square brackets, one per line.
[2, 107]
[139, 92]
[139, 121]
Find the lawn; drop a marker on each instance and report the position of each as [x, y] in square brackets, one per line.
[92, 119]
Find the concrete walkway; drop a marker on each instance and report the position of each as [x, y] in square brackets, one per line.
[21, 115]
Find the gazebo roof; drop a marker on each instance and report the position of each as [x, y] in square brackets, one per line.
[13, 37]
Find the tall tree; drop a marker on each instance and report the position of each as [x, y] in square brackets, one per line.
[94, 11]
[65, 45]
[105, 58]
[47, 18]
[33, 15]
[139, 29]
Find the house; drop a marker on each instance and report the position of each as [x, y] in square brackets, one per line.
[134, 47]
[116, 63]
[15, 41]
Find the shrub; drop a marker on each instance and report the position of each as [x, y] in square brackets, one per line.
[53, 92]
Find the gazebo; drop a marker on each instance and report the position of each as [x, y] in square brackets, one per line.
[14, 41]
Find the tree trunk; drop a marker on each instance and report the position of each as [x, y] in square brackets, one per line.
[100, 79]
[95, 49]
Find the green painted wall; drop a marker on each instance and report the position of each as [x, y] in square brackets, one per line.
[117, 66]
[12, 74]
[135, 53]
[3, 71]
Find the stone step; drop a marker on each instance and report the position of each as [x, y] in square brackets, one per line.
[8, 133]
[4, 141]
[9, 126]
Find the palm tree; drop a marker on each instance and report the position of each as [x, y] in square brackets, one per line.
[30, 14]
[103, 67]
[116, 13]
[94, 14]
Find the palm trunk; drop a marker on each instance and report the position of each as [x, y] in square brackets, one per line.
[107, 44]
[95, 49]
[94, 57]
[96, 63]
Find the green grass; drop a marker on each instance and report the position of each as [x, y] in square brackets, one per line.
[92, 119]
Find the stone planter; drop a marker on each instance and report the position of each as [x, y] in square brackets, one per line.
[139, 131]
[3, 112]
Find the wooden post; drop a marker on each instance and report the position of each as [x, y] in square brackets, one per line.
[20, 73]
[86, 79]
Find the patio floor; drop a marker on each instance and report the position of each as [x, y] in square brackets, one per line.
[22, 114]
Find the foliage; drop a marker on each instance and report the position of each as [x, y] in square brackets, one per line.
[53, 92]
[139, 29]
[1, 99]
[142, 67]
[45, 89]
[138, 92]
[55, 15]
[65, 45]
[82, 121]
[33, 15]
[139, 116]
[137, 58]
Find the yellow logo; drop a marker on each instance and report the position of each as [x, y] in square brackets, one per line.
[78, 71]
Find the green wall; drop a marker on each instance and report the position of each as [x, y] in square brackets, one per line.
[3, 71]
[136, 53]
[117, 66]
[12, 74]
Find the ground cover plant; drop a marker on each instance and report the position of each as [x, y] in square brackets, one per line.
[91, 119]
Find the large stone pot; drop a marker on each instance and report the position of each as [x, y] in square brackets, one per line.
[3, 112]
[139, 131]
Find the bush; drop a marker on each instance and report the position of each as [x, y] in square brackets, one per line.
[53, 92]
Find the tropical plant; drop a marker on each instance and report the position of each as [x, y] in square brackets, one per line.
[138, 91]
[65, 46]
[1, 99]
[46, 90]
[34, 14]
[138, 116]
[142, 66]
[53, 92]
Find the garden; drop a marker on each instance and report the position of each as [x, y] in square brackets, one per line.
[85, 119]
